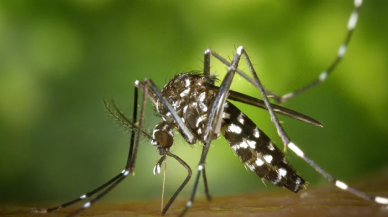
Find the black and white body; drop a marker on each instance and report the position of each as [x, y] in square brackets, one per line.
[191, 104]
[191, 97]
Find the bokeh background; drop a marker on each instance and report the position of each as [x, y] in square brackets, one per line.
[60, 59]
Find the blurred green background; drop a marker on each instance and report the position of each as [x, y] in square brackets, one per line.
[59, 59]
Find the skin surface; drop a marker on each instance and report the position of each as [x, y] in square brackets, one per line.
[314, 201]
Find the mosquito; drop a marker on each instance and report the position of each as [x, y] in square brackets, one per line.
[191, 104]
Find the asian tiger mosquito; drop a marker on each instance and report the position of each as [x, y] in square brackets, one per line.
[199, 110]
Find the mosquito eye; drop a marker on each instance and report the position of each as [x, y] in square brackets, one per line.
[163, 139]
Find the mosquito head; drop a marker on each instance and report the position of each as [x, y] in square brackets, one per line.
[162, 137]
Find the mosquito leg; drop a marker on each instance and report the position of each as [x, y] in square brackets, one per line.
[191, 201]
[259, 86]
[108, 186]
[341, 52]
[209, 198]
[214, 121]
[132, 161]
[181, 186]
[206, 63]
[336, 182]
[87, 195]
[134, 118]
[151, 96]
[287, 142]
[188, 133]
[130, 167]
[241, 73]
[91, 193]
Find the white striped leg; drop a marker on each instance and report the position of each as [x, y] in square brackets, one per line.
[88, 204]
[82, 197]
[336, 182]
[130, 167]
[108, 186]
[340, 54]
[287, 142]
[214, 119]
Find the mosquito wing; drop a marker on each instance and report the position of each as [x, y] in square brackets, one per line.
[240, 97]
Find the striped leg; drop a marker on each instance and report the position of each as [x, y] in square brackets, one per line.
[340, 54]
[287, 142]
[214, 120]
[157, 169]
[129, 168]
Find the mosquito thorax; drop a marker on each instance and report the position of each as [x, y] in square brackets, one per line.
[189, 95]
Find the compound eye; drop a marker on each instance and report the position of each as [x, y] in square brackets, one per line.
[164, 139]
[163, 135]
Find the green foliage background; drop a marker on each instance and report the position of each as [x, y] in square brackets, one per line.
[59, 59]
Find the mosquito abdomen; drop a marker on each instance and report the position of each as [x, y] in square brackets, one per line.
[257, 151]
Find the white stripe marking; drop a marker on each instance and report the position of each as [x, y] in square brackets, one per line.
[202, 97]
[341, 185]
[86, 205]
[252, 167]
[203, 107]
[268, 158]
[295, 149]
[154, 170]
[271, 147]
[241, 119]
[243, 144]
[154, 131]
[282, 172]
[187, 82]
[251, 144]
[236, 147]
[323, 76]
[225, 115]
[342, 50]
[357, 3]
[234, 129]
[199, 120]
[239, 50]
[185, 92]
[352, 20]
[158, 168]
[256, 133]
[279, 178]
[381, 200]
[259, 162]
[297, 182]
